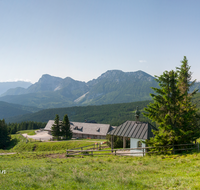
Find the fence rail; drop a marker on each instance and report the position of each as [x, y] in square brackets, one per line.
[131, 151]
[92, 147]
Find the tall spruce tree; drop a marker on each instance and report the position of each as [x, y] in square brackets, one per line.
[189, 121]
[55, 130]
[4, 134]
[65, 128]
[173, 110]
[165, 110]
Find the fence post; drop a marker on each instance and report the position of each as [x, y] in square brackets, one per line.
[143, 151]
[173, 150]
[112, 145]
[115, 152]
[67, 152]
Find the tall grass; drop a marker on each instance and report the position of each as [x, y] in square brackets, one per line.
[32, 171]
[34, 167]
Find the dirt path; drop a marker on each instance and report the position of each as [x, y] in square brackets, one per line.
[43, 136]
[8, 153]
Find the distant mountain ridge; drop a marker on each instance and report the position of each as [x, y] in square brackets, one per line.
[113, 86]
[4, 86]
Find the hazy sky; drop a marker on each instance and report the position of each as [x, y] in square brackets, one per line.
[84, 38]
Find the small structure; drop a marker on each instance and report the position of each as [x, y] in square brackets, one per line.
[85, 130]
[135, 130]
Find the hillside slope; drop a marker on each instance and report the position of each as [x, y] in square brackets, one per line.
[113, 114]
[119, 87]
[8, 110]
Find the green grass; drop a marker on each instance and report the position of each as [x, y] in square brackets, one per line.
[29, 132]
[19, 144]
[37, 166]
[41, 168]
[50, 146]
[36, 171]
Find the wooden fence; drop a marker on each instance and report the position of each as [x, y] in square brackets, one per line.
[92, 147]
[170, 149]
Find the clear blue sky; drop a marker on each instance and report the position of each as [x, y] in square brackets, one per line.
[84, 38]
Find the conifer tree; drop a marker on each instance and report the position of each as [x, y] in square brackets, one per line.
[189, 112]
[4, 134]
[173, 110]
[165, 110]
[55, 130]
[65, 128]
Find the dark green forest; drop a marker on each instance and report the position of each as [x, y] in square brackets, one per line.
[26, 125]
[114, 114]
[11, 128]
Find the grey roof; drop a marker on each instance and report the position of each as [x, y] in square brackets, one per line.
[49, 125]
[84, 128]
[133, 129]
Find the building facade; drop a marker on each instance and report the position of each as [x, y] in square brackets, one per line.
[85, 130]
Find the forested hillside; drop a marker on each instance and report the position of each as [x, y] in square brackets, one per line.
[113, 114]
[8, 109]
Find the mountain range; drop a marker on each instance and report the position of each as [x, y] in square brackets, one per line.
[113, 86]
[4, 86]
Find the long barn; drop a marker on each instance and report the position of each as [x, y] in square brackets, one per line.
[85, 130]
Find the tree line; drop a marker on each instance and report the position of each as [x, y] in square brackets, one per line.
[12, 128]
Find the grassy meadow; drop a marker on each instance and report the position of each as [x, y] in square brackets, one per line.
[19, 144]
[44, 165]
[41, 171]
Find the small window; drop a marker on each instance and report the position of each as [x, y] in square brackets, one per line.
[139, 144]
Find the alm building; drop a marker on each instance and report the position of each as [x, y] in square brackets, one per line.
[137, 131]
[85, 130]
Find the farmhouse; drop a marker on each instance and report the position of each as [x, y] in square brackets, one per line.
[135, 130]
[85, 130]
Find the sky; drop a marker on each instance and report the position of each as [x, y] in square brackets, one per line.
[82, 39]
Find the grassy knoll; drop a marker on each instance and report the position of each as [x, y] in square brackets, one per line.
[36, 171]
[19, 144]
[51, 146]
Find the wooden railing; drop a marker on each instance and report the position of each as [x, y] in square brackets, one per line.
[92, 147]
[172, 149]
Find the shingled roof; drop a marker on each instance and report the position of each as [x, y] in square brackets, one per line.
[134, 129]
[84, 128]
